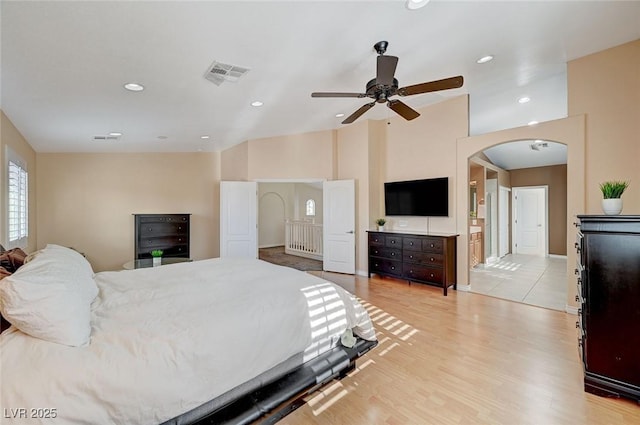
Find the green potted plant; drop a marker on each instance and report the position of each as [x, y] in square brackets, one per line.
[381, 222]
[611, 196]
[156, 254]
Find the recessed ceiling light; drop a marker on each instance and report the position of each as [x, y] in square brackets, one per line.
[524, 99]
[134, 87]
[532, 122]
[257, 103]
[485, 59]
[416, 4]
[115, 133]
[340, 115]
[205, 137]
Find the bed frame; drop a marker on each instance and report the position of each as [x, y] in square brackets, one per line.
[277, 398]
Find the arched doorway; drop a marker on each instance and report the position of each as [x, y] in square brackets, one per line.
[518, 210]
[569, 131]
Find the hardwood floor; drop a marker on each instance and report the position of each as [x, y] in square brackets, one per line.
[461, 359]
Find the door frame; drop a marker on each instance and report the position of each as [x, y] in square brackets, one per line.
[514, 206]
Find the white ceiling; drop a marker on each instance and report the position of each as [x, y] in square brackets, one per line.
[64, 65]
[519, 154]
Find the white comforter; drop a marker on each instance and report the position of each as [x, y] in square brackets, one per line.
[167, 339]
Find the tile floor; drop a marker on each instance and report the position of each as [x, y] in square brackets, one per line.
[540, 281]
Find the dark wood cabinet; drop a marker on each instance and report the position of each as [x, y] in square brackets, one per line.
[420, 258]
[168, 232]
[608, 278]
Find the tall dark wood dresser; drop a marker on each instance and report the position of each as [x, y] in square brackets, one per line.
[168, 232]
[608, 277]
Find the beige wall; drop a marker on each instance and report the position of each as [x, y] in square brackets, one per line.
[10, 136]
[353, 163]
[298, 156]
[234, 163]
[555, 177]
[87, 200]
[426, 148]
[605, 87]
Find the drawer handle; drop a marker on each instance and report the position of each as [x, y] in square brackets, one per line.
[393, 254]
[393, 267]
[576, 271]
[149, 229]
[431, 259]
[579, 312]
[577, 298]
[577, 324]
[431, 245]
[579, 281]
[410, 257]
[411, 243]
[393, 241]
[430, 274]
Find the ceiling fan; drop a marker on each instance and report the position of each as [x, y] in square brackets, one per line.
[381, 88]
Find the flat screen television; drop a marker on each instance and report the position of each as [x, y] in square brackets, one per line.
[428, 197]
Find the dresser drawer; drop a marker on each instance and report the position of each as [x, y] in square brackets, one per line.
[423, 273]
[391, 253]
[426, 258]
[162, 229]
[432, 245]
[161, 242]
[385, 266]
[393, 241]
[376, 239]
[412, 244]
[167, 218]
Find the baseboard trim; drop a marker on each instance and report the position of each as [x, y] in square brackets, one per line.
[271, 246]
[558, 256]
[463, 288]
[571, 309]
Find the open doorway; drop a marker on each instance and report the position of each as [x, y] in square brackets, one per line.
[290, 224]
[517, 201]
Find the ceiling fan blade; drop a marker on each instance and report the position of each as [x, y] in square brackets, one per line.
[364, 108]
[402, 109]
[446, 84]
[386, 70]
[332, 94]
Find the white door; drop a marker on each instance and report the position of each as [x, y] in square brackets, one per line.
[339, 218]
[503, 221]
[238, 219]
[530, 220]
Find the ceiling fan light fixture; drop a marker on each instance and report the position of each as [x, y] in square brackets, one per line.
[485, 59]
[256, 103]
[416, 4]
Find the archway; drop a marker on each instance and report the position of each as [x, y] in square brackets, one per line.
[571, 132]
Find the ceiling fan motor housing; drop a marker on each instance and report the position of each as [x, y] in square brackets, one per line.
[381, 92]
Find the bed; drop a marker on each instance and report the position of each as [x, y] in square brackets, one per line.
[211, 341]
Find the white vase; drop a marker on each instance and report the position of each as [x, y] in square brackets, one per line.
[380, 228]
[612, 206]
[157, 261]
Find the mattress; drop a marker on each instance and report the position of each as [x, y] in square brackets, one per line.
[166, 340]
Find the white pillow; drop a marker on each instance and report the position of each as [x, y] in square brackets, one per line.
[50, 296]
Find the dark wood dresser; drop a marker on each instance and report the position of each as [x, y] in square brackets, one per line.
[168, 232]
[424, 258]
[608, 278]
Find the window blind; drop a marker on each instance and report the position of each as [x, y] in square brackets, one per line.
[17, 209]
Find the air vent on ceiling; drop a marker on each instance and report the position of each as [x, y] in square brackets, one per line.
[218, 73]
[105, 138]
[538, 145]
